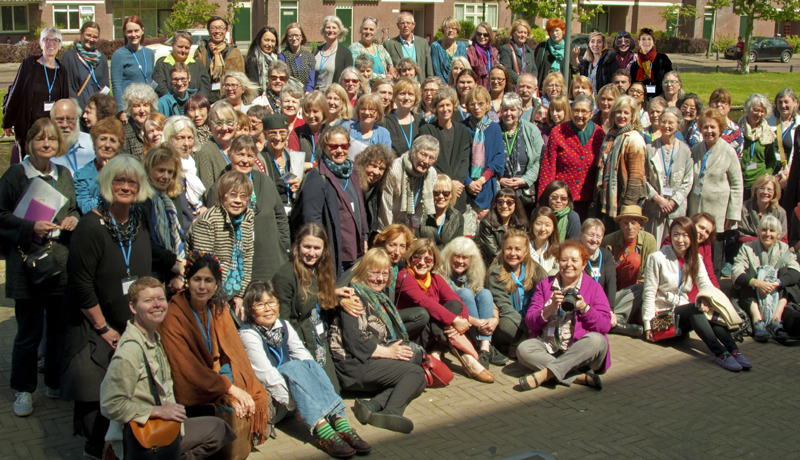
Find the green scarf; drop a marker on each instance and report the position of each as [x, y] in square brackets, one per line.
[557, 51]
[563, 221]
[586, 134]
[384, 309]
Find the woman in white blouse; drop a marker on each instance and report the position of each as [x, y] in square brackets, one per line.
[669, 277]
[543, 235]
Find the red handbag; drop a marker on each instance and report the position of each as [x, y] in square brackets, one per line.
[437, 374]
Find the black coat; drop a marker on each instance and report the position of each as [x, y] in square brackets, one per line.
[791, 195]
[544, 61]
[608, 274]
[606, 67]
[318, 202]
[454, 163]
[398, 134]
[452, 228]
[660, 67]
[307, 145]
[506, 58]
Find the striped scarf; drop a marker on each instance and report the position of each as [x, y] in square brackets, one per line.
[166, 226]
[92, 57]
[477, 162]
[233, 280]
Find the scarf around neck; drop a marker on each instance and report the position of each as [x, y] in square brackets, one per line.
[307, 63]
[424, 283]
[557, 51]
[478, 157]
[217, 64]
[194, 186]
[384, 309]
[166, 225]
[485, 54]
[264, 60]
[341, 171]
[273, 337]
[645, 62]
[92, 57]
[233, 280]
[761, 133]
[563, 222]
[586, 134]
[409, 193]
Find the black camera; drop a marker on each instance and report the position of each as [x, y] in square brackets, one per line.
[570, 300]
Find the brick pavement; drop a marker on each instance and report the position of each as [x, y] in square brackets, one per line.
[659, 402]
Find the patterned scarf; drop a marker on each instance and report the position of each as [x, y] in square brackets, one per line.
[512, 160]
[477, 162]
[341, 171]
[264, 60]
[761, 133]
[424, 283]
[233, 280]
[307, 63]
[92, 57]
[607, 164]
[563, 222]
[384, 309]
[273, 337]
[557, 51]
[485, 54]
[645, 61]
[217, 65]
[408, 175]
[166, 225]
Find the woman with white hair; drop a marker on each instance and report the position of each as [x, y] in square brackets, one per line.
[291, 93]
[758, 155]
[139, 101]
[238, 90]
[28, 99]
[523, 152]
[181, 133]
[408, 193]
[766, 273]
[212, 158]
[331, 58]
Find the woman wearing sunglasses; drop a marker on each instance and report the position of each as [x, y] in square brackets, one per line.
[505, 213]
[445, 223]
[482, 54]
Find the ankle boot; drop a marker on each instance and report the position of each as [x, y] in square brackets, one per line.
[631, 330]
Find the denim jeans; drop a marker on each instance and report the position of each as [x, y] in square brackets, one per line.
[312, 391]
[480, 305]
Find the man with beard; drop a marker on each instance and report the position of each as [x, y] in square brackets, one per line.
[80, 150]
[527, 88]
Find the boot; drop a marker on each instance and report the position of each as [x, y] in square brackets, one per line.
[631, 330]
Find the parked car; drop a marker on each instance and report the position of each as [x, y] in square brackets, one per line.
[581, 41]
[765, 48]
[163, 49]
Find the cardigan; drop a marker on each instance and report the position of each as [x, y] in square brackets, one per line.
[452, 227]
[87, 192]
[77, 73]
[626, 185]
[211, 164]
[493, 166]
[721, 185]
[597, 318]
[662, 284]
[385, 60]
[213, 232]
[514, 66]
[479, 67]
[380, 135]
[134, 140]
[660, 66]
[566, 159]
[343, 59]
[439, 293]
[441, 59]
[454, 163]
[748, 260]
[421, 54]
[199, 79]
[748, 225]
[608, 273]
[125, 69]
[681, 177]
[645, 245]
[534, 149]
[18, 111]
[390, 211]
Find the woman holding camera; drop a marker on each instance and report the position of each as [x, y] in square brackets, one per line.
[569, 318]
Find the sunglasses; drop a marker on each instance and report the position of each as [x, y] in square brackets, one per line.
[445, 194]
[277, 78]
[427, 260]
[339, 146]
[481, 34]
[507, 203]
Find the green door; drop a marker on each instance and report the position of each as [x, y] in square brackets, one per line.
[708, 25]
[241, 30]
[288, 16]
[346, 15]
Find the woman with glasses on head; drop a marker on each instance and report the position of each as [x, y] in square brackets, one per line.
[690, 106]
[302, 64]
[404, 124]
[383, 65]
[331, 59]
[260, 57]
[366, 124]
[482, 55]
[445, 223]
[213, 155]
[758, 151]
[673, 89]
[140, 101]
[199, 80]
[624, 47]
[443, 51]
[506, 212]
[651, 67]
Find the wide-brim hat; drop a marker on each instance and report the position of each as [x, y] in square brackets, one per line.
[631, 211]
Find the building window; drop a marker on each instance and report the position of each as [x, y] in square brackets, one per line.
[154, 14]
[599, 23]
[474, 12]
[71, 17]
[14, 18]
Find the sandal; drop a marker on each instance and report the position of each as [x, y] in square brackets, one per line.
[523, 382]
[593, 380]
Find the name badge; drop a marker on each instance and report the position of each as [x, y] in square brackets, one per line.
[288, 210]
[353, 207]
[216, 86]
[551, 332]
[667, 191]
[596, 272]
[752, 166]
[697, 190]
[415, 222]
[651, 89]
[319, 328]
[153, 84]
[126, 284]
[105, 90]
[48, 106]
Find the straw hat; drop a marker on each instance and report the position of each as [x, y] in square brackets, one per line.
[631, 211]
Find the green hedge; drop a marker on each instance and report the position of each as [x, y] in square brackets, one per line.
[16, 53]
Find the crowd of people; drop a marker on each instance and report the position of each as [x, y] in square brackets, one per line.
[217, 240]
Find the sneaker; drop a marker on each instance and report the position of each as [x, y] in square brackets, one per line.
[497, 358]
[727, 269]
[761, 333]
[775, 328]
[483, 358]
[729, 362]
[742, 361]
[51, 393]
[23, 406]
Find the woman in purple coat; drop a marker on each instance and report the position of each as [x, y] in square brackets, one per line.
[569, 318]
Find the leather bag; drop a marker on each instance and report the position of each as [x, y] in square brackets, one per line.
[40, 265]
[665, 325]
[437, 374]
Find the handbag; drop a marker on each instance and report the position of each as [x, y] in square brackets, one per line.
[437, 374]
[40, 265]
[156, 439]
[665, 325]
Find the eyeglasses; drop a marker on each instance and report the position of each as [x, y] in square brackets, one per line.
[52, 41]
[351, 80]
[231, 86]
[559, 198]
[228, 123]
[506, 203]
[217, 29]
[417, 258]
[670, 82]
[377, 274]
[553, 86]
[497, 79]
[368, 110]
[294, 37]
[760, 189]
[443, 193]
[66, 119]
[261, 306]
[635, 92]
[235, 195]
[405, 23]
[478, 105]
[120, 182]
[481, 34]
[180, 80]
[283, 78]
[333, 147]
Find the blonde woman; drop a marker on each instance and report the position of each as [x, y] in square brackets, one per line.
[339, 107]
[445, 223]
[238, 90]
[443, 51]
[404, 123]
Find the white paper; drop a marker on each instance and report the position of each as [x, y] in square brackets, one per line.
[752, 166]
[48, 106]
[651, 89]
[667, 191]
[105, 90]
[356, 147]
[42, 192]
[320, 328]
[697, 190]
[216, 86]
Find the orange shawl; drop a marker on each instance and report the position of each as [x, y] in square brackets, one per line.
[195, 381]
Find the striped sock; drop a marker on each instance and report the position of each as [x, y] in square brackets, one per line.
[342, 425]
[325, 431]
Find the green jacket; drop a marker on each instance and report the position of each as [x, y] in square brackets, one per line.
[645, 245]
[764, 158]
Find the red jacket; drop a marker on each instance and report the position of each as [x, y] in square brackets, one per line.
[438, 294]
[566, 159]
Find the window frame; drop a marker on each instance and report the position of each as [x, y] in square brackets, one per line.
[27, 28]
[68, 8]
[475, 13]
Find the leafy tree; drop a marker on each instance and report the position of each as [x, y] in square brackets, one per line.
[675, 13]
[188, 14]
[533, 9]
[773, 11]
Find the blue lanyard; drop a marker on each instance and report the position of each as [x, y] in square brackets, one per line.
[222, 151]
[752, 151]
[428, 118]
[144, 58]
[599, 265]
[439, 232]
[635, 250]
[410, 136]
[668, 171]
[324, 59]
[680, 281]
[358, 130]
[416, 196]
[279, 356]
[461, 112]
[346, 183]
[72, 158]
[207, 331]
[703, 166]
[528, 113]
[313, 146]
[91, 70]
[410, 54]
[489, 60]
[125, 255]
[785, 132]
[50, 86]
[286, 168]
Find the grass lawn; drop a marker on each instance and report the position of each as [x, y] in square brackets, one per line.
[740, 86]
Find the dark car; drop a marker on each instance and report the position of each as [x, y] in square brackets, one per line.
[765, 48]
[581, 41]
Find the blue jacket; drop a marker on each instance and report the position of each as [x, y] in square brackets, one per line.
[86, 189]
[125, 70]
[380, 135]
[441, 60]
[168, 105]
[495, 160]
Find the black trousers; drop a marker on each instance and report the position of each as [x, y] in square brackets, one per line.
[399, 383]
[508, 333]
[717, 338]
[435, 335]
[415, 320]
[30, 314]
[93, 426]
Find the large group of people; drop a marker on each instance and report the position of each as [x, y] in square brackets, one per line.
[272, 228]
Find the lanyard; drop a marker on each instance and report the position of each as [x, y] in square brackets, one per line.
[376, 60]
[787, 130]
[635, 250]
[346, 183]
[680, 281]
[461, 112]
[50, 86]
[144, 58]
[323, 59]
[222, 151]
[668, 171]
[599, 264]
[528, 113]
[410, 136]
[253, 197]
[286, 168]
[428, 118]
[439, 232]
[72, 157]
[489, 60]
[314, 146]
[125, 255]
[752, 151]
[703, 166]
[409, 54]
[207, 331]
[279, 356]
[358, 130]
[416, 196]
[509, 148]
[91, 70]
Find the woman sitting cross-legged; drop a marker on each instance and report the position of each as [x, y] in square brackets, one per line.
[291, 375]
[767, 273]
[369, 352]
[670, 275]
[569, 318]
[419, 286]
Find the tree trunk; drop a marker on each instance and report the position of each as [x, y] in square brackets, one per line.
[713, 34]
[748, 38]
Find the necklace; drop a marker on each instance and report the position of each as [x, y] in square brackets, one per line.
[120, 236]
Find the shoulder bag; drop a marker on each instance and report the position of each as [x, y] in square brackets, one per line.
[40, 265]
[665, 325]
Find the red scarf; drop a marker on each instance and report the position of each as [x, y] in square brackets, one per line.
[645, 61]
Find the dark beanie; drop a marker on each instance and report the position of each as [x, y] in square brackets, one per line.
[275, 121]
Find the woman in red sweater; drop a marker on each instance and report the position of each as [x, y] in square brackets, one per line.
[570, 155]
[418, 286]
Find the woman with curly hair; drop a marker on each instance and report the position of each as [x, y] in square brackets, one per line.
[371, 165]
